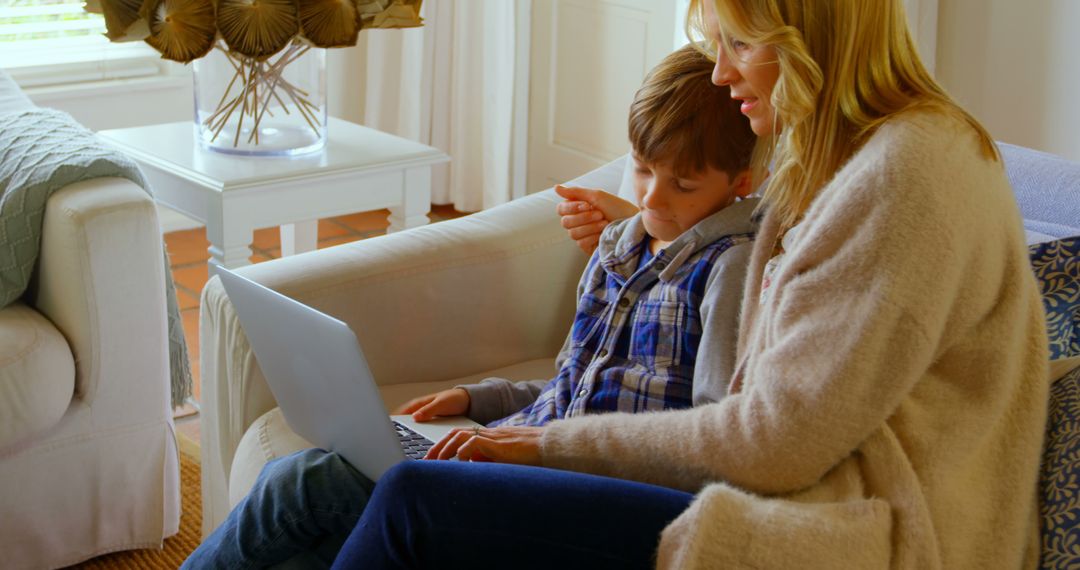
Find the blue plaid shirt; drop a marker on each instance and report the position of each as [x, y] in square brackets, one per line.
[635, 336]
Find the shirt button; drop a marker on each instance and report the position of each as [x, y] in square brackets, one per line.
[624, 302]
[602, 353]
[583, 393]
[660, 265]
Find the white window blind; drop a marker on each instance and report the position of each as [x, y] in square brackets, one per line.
[50, 42]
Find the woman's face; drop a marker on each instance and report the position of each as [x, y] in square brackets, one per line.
[750, 71]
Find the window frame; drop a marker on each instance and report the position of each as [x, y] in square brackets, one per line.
[77, 60]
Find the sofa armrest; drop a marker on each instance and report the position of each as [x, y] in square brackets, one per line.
[433, 303]
[101, 281]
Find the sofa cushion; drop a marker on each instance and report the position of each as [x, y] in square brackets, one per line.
[1046, 189]
[268, 438]
[1059, 482]
[37, 374]
[1057, 269]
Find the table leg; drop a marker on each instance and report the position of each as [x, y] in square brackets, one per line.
[299, 237]
[230, 258]
[415, 202]
[230, 245]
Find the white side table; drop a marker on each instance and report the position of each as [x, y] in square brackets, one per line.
[360, 169]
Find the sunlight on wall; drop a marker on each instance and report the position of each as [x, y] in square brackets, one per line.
[1014, 66]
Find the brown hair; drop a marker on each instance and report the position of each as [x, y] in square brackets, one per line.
[678, 114]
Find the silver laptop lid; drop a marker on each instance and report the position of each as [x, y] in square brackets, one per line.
[318, 374]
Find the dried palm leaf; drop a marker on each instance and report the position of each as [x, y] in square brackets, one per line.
[368, 8]
[329, 23]
[399, 14]
[182, 30]
[257, 28]
[121, 17]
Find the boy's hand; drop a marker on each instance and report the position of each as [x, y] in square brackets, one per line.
[452, 402]
[586, 212]
[513, 444]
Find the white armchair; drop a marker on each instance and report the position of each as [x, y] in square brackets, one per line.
[88, 462]
[491, 294]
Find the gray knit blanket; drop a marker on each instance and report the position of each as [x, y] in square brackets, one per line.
[44, 150]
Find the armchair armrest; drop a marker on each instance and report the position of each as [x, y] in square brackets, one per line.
[101, 281]
[433, 303]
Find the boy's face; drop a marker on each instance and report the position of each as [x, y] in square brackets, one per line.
[671, 204]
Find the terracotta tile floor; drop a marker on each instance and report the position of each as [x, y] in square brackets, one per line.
[188, 256]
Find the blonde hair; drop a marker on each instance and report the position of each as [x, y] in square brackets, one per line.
[679, 115]
[846, 67]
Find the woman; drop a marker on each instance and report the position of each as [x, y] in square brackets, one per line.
[889, 402]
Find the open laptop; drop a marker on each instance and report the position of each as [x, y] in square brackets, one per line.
[318, 374]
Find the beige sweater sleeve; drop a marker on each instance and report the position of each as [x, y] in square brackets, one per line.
[879, 279]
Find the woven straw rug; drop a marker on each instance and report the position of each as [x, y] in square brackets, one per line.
[175, 549]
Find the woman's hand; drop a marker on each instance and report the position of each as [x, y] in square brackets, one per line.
[586, 212]
[452, 402]
[520, 445]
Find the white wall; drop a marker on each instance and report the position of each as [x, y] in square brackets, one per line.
[923, 23]
[345, 81]
[122, 103]
[1015, 65]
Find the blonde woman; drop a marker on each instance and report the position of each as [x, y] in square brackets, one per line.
[889, 401]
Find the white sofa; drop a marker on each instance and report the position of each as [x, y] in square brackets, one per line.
[88, 461]
[491, 294]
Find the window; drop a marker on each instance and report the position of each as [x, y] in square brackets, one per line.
[51, 42]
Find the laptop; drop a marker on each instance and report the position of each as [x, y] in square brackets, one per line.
[317, 372]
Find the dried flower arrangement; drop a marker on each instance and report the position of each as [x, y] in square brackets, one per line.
[251, 33]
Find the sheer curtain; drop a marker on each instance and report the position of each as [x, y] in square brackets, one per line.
[459, 84]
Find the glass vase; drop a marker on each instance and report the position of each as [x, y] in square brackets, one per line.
[270, 107]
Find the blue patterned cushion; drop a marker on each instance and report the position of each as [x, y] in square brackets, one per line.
[1059, 483]
[1057, 266]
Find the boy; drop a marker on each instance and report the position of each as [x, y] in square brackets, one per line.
[661, 284]
[655, 326]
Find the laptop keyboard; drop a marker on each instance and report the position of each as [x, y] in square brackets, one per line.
[415, 445]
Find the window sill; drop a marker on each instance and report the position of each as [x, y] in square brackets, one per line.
[53, 93]
[81, 61]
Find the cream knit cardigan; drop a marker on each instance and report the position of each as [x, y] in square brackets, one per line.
[892, 400]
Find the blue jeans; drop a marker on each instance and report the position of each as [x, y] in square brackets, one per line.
[438, 514]
[297, 514]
